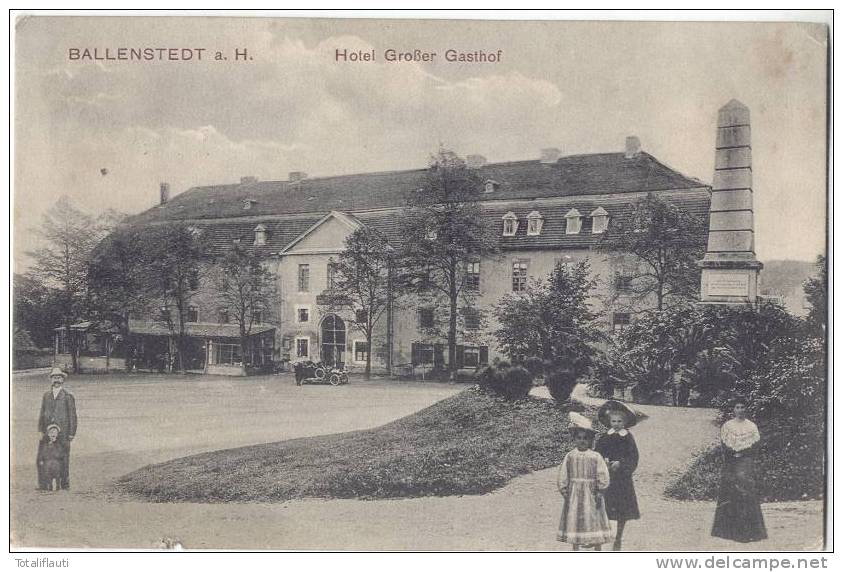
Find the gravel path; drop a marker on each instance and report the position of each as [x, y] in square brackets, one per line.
[521, 516]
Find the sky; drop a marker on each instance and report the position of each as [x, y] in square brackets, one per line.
[106, 133]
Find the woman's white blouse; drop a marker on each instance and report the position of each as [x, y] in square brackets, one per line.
[739, 435]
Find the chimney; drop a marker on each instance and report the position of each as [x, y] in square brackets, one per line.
[296, 176]
[550, 155]
[475, 161]
[165, 192]
[633, 147]
[248, 180]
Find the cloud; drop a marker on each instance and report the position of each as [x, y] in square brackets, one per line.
[294, 107]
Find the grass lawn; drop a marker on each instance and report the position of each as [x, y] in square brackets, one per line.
[470, 443]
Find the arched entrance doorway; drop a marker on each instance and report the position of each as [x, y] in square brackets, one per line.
[333, 340]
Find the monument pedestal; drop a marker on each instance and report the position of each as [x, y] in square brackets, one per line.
[729, 268]
[729, 281]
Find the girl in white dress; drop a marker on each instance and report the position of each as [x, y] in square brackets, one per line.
[583, 475]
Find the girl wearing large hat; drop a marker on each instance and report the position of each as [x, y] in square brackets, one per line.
[619, 450]
[583, 476]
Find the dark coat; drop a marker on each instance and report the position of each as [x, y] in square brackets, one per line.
[60, 410]
[51, 459]
[621, 502]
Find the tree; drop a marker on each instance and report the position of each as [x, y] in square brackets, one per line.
[552, 320]
[69, 236]
[118, 279]
[175, 255]
[363, 283]
[444, 233]
[245, 286]
[666, 243]
[37, 309]
[816, 291]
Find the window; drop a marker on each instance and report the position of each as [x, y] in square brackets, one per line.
[573, 222]
[519, 275]
[599, 220]
[490, 186]
[257, 317]
[302, 314]
[302, 347]
[361, 351]
[224, 318]
[535, 222]
[623, 283]
[304, 277]
[193, 281]
[471, 357]
[247, 204]
[361, 316]
[472, 276]
[510, 224]
[471, 318]
[227, 354]
[423, 354]
[260, 235]
[192, 314]
[425, 317]
[620, 320]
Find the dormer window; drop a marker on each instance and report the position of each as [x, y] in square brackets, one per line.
[573, 222]
[490, 186]
[599, 220]
[431, 234]
[510, 224]
[535, 222]
[260, 235]
[247, 204]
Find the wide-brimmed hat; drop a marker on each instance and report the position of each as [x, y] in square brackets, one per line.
[579, 422]
[51, 425]
[612, 406]
[58, 371]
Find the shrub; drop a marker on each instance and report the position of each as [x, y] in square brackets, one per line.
[511, 383]
[712, 347]
[561, 384]
[489, 378]
[535, 365]
[786, 398]
[517, 382]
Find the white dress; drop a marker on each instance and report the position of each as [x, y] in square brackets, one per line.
[584, 520]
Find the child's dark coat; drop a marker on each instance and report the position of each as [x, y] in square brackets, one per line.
[52, 457]
[621, 502]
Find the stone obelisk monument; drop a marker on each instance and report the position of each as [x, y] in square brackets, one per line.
[729, 268]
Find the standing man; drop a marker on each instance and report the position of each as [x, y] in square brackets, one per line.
[58, 407]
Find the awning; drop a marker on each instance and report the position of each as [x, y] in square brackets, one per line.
[86, 326]
[196, 329]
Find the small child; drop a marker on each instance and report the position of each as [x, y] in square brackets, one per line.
[52, 456]
[618, 447]
[583, 475]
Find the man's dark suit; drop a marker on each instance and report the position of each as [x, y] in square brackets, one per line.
[60, 410]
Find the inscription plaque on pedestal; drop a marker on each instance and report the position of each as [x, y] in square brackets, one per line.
[728, 284]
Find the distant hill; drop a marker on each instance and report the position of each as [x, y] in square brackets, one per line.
[784, 279]
[780, 276]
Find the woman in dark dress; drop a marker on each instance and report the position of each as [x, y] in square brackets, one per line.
[738, 515]
[618, 447]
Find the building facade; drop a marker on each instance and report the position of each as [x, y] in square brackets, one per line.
[551, 210]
